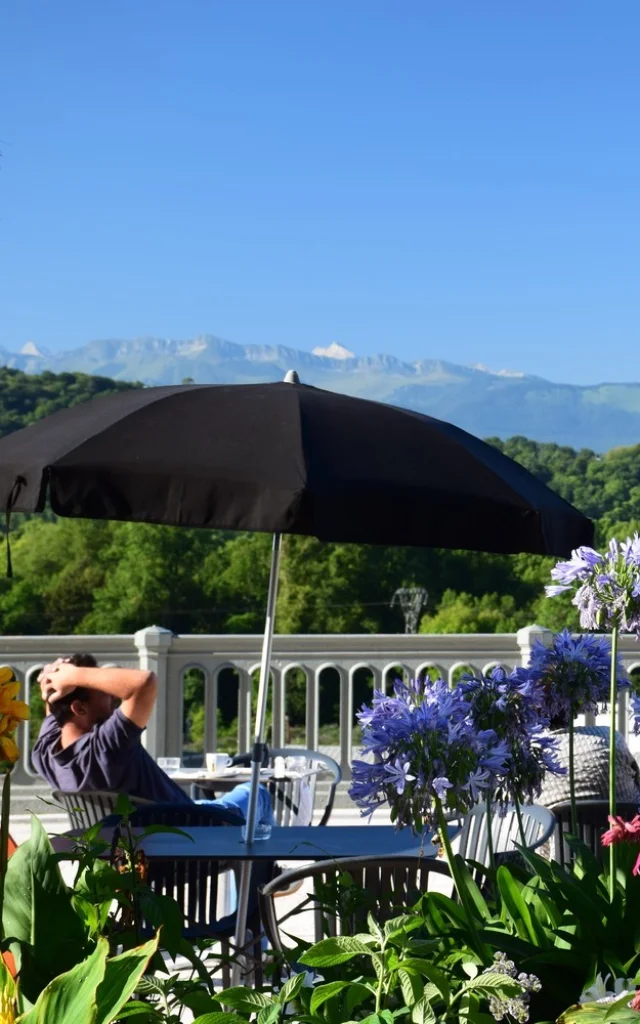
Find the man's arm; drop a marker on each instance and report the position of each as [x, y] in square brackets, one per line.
[135, 688]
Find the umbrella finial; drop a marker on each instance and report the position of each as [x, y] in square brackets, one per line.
[291, 377]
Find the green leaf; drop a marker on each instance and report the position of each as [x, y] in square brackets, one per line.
[219, 1018]
[422, 947]
[329, 952]
[398, 926]
[137, 1009]
[186, 950]
[357, 993]
[517, 908]
[411, 986]
[324, 992]
[369, 940]
[597, 1013]
[121, 977]
[247, 999]
[269, 1014]
[39, 913]
[291, 988]
[124, 807]
[163, 912]
[422, 1012]
[492, 983]
[427, 970]
[152, 830]
[72, 997]
[470, 895]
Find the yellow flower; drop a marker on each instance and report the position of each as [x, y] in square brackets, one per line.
[12, 712]
[7, 996]
[8, 752]
[7, 1009]
[11, 708]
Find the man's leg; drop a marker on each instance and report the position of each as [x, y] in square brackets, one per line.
[237, 799]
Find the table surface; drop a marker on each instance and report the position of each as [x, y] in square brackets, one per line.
[305, 843]
[232, 777]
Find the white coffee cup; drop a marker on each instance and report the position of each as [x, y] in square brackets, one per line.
[216, 763]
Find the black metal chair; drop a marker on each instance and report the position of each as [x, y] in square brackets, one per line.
[194, 882]
[86, 807]
[286, 793]
[385, 888]
[593, 820]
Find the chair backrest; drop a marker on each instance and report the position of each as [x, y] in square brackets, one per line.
[191, 882]
[294, 800]
[182, 815]
[85, 808]
[593, 820]
[472, 842]
[384, 887]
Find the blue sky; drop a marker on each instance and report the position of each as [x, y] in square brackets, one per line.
[454, 179]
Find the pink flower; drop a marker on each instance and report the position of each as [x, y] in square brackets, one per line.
[635, 1002]
[622, 832]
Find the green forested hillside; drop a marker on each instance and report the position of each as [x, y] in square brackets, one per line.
[24, 398]
[80, 576]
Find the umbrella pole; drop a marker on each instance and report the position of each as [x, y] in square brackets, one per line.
[259, 748]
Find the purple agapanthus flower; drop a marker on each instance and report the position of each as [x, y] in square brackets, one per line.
[424, 748]
[399, 774]
[512, 707]
[574, 674]
[607, 586]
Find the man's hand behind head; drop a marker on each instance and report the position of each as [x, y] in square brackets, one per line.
[57, 680]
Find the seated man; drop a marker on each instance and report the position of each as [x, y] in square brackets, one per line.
[87, 742]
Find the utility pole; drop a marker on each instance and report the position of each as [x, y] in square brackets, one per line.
[411, 600]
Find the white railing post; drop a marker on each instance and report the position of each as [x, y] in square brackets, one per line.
[527, 637]
[312, 719]
[346, 720]
[277, 707]
[211, 712]
[164, 731]
[244, 710]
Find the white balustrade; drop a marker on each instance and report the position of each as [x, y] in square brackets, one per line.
[170, 657]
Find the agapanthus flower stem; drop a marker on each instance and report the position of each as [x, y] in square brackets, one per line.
[443, 831]
[613, 697]
[492, 860]
[516, 804]
[572, 778]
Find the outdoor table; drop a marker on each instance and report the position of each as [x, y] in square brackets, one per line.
[295, 842]
[223, 782]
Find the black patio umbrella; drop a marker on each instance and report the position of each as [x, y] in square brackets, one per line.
[283, 458]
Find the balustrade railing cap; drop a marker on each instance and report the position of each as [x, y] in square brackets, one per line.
[528, 633]
[153, 636]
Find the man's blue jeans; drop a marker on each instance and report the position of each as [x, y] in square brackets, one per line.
[238, 800]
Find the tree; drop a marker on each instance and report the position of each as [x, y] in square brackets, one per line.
[464, 613]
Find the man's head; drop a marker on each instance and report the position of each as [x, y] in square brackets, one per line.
[84, 707]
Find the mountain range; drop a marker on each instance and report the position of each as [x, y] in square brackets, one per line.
[485, 402]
